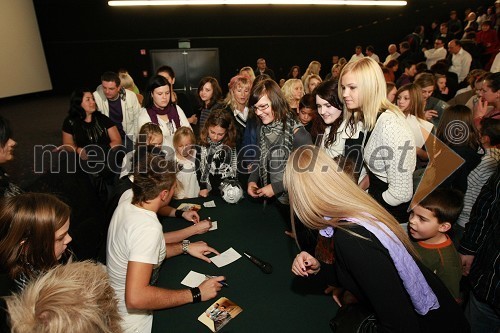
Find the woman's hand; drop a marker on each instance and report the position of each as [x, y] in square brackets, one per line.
[203, 193]
[252, 189]
[305, 264]
[193, 119]
[266, 191]
[481, 108]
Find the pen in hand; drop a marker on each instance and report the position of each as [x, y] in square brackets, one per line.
[223, 283]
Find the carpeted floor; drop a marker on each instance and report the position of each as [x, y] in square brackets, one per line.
[36, 122]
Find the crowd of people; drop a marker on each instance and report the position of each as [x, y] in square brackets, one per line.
[366, 134]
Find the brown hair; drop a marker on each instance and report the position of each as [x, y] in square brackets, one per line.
[223, 119]
[281, 109]
[28, 224]
[416, 106]
[146, 132]
[453, 115]
[153, 175]
[446, 204]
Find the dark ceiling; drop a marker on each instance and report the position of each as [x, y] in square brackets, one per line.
[90, 34]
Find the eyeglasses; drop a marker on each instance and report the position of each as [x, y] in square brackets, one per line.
[261, 107]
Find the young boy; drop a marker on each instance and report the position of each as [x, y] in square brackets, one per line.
[429, 222]
[307, 111]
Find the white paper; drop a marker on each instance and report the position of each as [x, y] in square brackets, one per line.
[193, 279]
[214, 226]
[209, 204]
[226, 257]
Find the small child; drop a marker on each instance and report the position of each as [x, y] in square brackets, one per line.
[150, 135]
[185, 156]
[216, 154]
[307, 111]
[430, 220]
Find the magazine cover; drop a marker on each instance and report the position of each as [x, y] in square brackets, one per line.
[219, 314]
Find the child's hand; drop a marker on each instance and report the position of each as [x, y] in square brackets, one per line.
[429, 114]
[252, 189]
[203, 193]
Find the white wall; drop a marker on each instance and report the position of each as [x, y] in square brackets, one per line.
[23, 68]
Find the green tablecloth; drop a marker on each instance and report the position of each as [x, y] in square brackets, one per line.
[276, 302]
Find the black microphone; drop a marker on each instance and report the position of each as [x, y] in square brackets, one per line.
[264, 266]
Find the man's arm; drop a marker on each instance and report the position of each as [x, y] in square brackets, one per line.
[139, 295]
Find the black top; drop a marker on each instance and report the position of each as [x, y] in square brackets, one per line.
[7, 188]
[365, 268]
[94, 132]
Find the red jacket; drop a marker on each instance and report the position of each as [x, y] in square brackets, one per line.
[488, 37]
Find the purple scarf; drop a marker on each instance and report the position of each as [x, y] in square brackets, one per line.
[421, 294]
[170, 111]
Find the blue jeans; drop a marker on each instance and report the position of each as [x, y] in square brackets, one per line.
[481, 316]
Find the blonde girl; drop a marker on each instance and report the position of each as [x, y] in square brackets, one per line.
[390, 167]
[293, 90]
[187, 183]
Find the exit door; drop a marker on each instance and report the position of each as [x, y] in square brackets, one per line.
[190, 66]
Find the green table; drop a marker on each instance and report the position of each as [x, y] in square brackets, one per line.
[273, 302]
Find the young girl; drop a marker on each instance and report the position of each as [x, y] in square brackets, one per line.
[216, 155]
[410, 102]
[33, 235]
[150, 136]
[187, 186]
[442, 92]
[159, 109]
[209, 93]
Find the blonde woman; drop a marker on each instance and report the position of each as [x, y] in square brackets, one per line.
[311, 82]
[389, 152]
[236, 103]
[248, 71]
[313, 68]
[374, 258]
[293, 90]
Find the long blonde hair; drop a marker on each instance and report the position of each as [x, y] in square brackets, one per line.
[372, 92]
[287, 90]
[313, 68]
[338, 197]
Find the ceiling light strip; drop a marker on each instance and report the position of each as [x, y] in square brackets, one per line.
[253, 2]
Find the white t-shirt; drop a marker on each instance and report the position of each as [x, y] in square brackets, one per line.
[134, 234]
[187, 178]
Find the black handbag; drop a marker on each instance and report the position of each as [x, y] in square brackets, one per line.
[354, 318]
